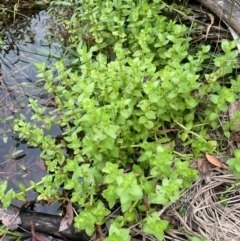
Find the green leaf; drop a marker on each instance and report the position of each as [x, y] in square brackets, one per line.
[118, 234]
[150, 115]
[112, 171]
[214, 98]
[70, 184]
[225, 44]
[10, 117]
[85, 221]
[112, 131]
[22, 187]
[22, 167]
[228, 46]
[21, 196]
[15, 153]
[3, 187]
[198, 239]
[126, 113]
[155, 226]
[149, 125]
[234, 163]
[142, 120]
[237, 153]
[191, 102]
[158, 198]
[144, 105]
[101, 212]
[96, 212]
[107, 144]
[110, 195]
[5, 139]
[9, 196]
[128, 190]
[213, 116]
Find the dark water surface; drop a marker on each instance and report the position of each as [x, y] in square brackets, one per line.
[24, 43]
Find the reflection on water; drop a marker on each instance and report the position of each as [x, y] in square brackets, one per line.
[24, 43]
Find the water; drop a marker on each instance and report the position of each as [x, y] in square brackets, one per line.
[24, 43]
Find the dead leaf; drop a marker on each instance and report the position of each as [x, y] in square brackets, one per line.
[203, 166]
[146, 203]
[59, 236]
[168, 218]
[11, 107]
[41, 164]
[215, 161]
[68, 218]
[37, 236]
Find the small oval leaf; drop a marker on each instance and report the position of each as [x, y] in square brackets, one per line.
[5, 139]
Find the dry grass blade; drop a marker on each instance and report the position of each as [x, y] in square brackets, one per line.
[212, 211]
[210, 25]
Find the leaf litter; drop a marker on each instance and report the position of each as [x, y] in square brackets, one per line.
[212, 209]
[68, 218]
[215, 161]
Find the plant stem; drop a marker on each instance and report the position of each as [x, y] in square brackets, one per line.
[31, 187]
[193, 133]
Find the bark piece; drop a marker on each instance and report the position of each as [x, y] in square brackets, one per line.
[49, 224]
[235, 106]
[227, 10]
[43, 223]
[10, 217]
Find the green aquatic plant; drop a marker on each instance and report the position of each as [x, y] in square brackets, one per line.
[234, 163]
[135, 110]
